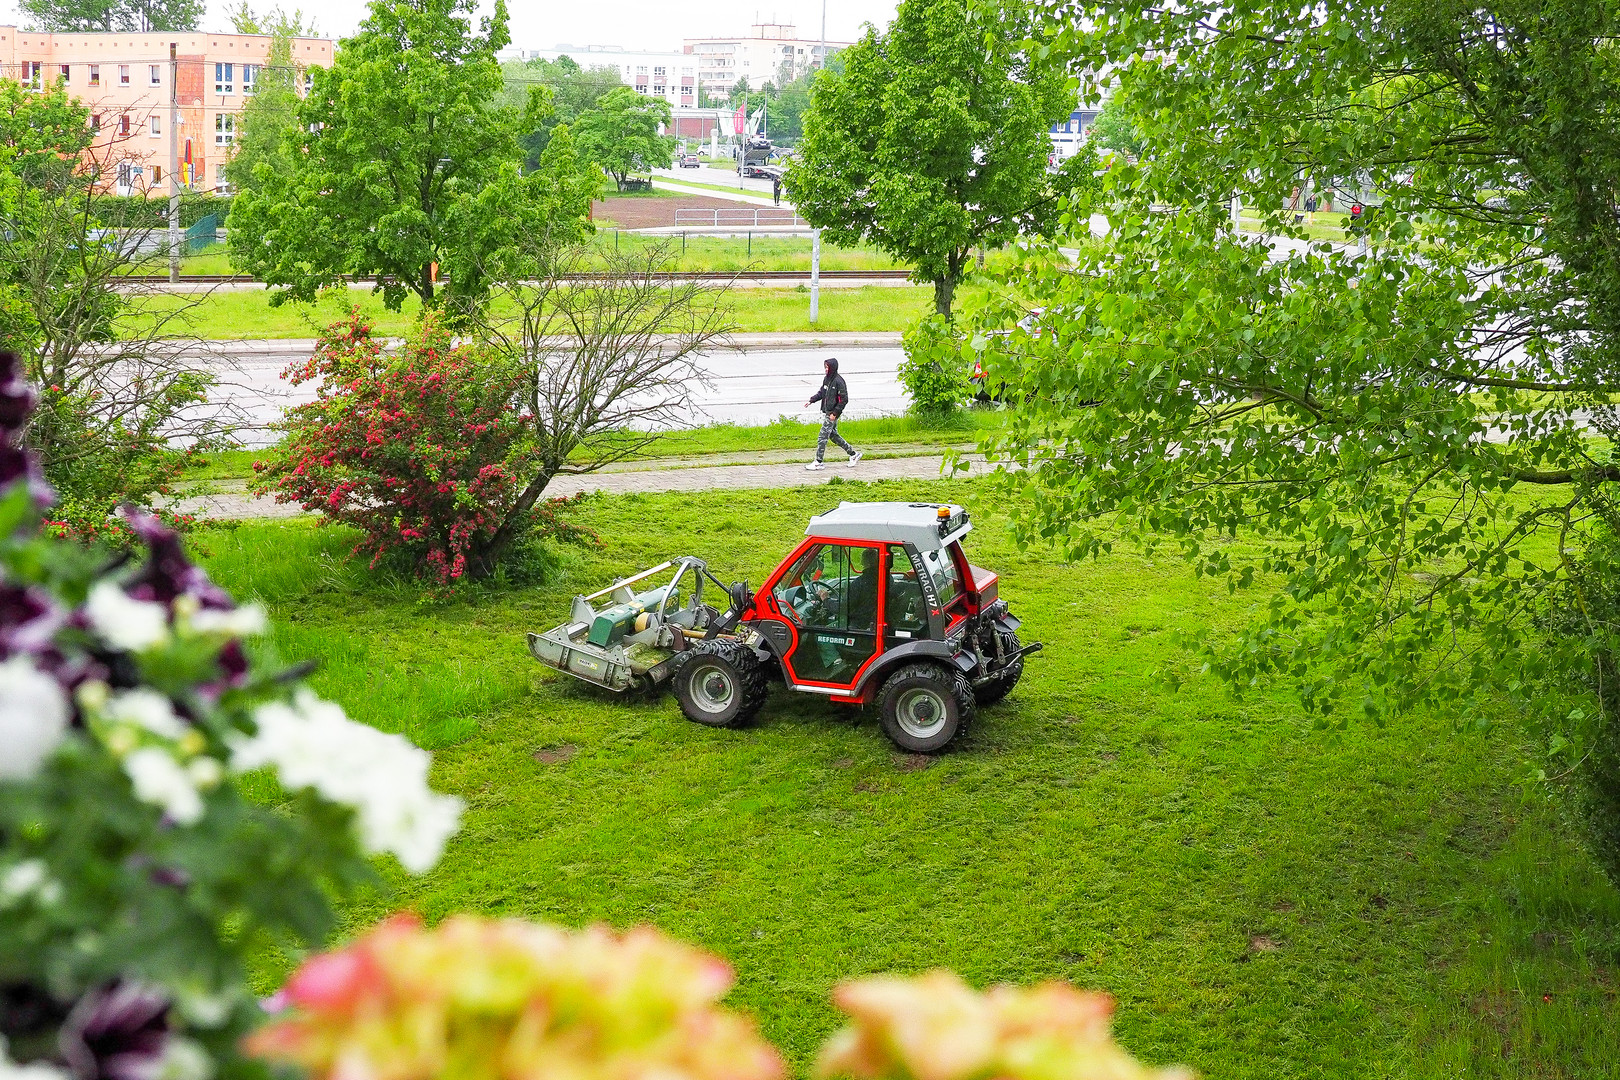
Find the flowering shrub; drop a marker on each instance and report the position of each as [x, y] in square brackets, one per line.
[422, 452]
[481, 999]
[135, 874]
[935, 1027]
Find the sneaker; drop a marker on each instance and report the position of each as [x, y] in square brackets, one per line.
[853, 458]
[814, 465]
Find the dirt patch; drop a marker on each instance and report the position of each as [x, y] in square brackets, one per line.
[912, 762]
[1261, 943]
[561, 754]
[843, 763]
[866, 787]
[656, 213]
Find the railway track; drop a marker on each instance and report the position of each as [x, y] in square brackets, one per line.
[694, 275]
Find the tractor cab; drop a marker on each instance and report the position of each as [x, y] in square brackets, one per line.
[871, 580]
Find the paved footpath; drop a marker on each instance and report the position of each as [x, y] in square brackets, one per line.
[651, 476]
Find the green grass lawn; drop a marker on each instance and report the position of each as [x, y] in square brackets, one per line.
[1263, 900]
[248, 313]
[874, 435]
[760, 253]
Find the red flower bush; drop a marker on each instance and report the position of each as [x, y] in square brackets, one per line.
[423, 451]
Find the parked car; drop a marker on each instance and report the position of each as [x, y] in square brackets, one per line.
[690, 161]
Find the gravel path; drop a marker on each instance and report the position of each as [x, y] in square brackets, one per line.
[672, 477]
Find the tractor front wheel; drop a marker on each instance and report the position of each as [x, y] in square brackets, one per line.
[720, 683]
[925, 706]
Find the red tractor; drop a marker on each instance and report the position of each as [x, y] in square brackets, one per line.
[878, 605]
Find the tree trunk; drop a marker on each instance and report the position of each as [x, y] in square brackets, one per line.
[944, 291]
[425, 290]
[488, 554]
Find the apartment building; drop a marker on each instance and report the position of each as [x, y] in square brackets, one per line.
[126, 81]
[769, 52]
[668, 75]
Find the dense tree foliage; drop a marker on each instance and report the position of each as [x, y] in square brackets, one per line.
[266, 130]
[1409, 434]
[933, 140]
[573, 90]
[79, 16]
[275, 21]
[1115, 130]
[408, 171]
[621, 133]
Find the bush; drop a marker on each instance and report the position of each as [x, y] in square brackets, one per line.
[1584, 625]
[136, 875]
[422, 451]
[140, 212]
[933, 371]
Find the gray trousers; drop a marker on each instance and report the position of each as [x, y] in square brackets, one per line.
[829, 430]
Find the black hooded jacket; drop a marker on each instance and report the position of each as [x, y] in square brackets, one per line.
[833, 395]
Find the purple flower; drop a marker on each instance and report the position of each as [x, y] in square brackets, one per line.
[116, 1032]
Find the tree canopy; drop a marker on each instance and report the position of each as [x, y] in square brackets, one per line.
[266, 131]
[1400, 438]
[79, 16]
[934, 139]
[409, 171]
[621, 133]
[573, 90]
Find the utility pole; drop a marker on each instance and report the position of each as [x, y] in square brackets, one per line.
[824, 35]
[815, 275]
[174, 163]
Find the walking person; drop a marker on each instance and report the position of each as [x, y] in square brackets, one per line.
[776, 189]
[834, 396]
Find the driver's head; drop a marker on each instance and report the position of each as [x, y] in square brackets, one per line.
[869, 560]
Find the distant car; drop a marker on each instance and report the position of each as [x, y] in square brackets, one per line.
[690, 161]
[764, 172]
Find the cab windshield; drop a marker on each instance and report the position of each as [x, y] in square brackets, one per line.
[947, 579]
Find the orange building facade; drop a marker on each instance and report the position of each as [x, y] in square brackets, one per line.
[126, 81]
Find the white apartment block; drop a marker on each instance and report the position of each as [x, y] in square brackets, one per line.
[769, 52]
[668, 75]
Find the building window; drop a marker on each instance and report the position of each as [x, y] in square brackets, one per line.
[309, 81]
[157, 174]
[31, 77]
[250, 75]
[224, 129]
[95, 74]
[221, 187]
[155, 125]
[224, 76]
[154, 74]
[123, 74]
[65, 74]
[123, 123]
[658, 72]
[95, 121]
[124, 176]
[641, 70]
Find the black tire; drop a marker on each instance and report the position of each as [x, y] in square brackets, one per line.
[720, 683]
[989, 693]
[925, 706]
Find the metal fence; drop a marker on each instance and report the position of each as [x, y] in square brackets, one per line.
[739, 217]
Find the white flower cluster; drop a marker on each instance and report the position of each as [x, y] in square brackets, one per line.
[312, 744]
[33, 718]
[137, 625]
[161, 754]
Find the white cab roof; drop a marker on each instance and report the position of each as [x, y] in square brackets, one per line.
[892, 522]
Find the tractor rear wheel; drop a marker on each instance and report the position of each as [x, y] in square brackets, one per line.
[925, 706]
[720, 683]
[988, 693]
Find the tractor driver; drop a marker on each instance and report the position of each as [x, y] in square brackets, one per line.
[860, 604]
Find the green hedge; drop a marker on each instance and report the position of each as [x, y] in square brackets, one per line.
[133, 211]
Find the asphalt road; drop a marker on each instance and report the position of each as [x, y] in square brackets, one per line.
[754, 384]
[713, 174]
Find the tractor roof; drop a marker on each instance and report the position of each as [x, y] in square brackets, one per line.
[894, 522]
